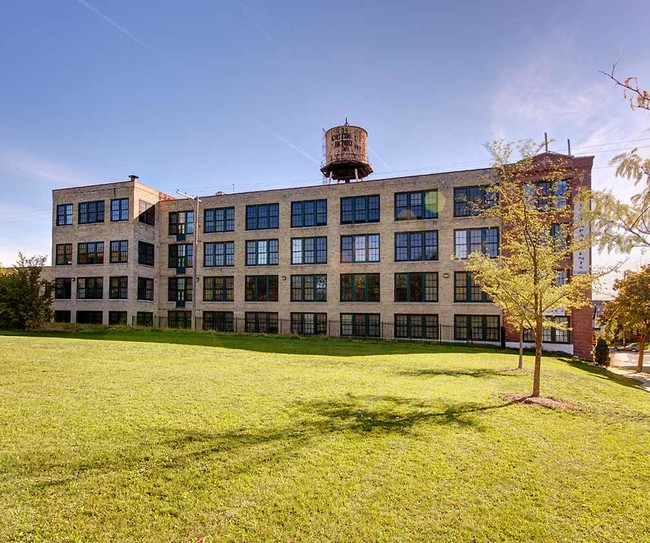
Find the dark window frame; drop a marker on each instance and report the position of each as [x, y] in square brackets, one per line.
[119, 251]
[261, 288]
[91, 212]
[179, 289]
[118, 287]
[414, 240]
[90, 252]
[218, 254]
[220, 288]
[119, 209]
[469, 244]
[64, 214]
[272, 252]
[349, 254]
[474, 294]
[63, 288]
[365, 326]
[261, 322]
[361, 209]
[472, 200]
[466, 331]
[263, 216]
[145, 289]
[428, 292]
[368, 289]
[317, 253]
[91, 288]
[178, 226]
[309, 324]
[300, 289]
[219, 321]
[414, 205]
[407, 325]
[176, 260]
[218, 219]
[146, 253]
[308, 213]
[63, 254]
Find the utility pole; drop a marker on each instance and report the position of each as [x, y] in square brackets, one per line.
[195, 250]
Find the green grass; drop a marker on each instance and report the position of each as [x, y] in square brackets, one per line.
[177, 436]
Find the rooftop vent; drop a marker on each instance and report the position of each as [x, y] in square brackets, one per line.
[133, 177]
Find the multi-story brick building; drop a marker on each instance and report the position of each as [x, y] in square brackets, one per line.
[361, 259]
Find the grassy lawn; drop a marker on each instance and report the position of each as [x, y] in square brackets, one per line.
[175, 436]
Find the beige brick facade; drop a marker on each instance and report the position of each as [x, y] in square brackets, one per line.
[133, 230]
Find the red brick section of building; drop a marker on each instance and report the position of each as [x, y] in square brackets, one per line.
[578, 172]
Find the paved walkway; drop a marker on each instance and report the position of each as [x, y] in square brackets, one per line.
[624, 363]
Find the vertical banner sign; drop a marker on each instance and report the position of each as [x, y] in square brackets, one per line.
[581, 258]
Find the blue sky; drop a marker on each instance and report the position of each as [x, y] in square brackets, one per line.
[206, 95]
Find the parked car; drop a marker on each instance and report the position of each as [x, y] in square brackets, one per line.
[634, 347]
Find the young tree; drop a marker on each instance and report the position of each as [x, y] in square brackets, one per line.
[616, 224]
[529, 279]
[25, 297]
[631, 308]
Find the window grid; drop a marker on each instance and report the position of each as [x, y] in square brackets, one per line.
[472, 201]
[308, 213]
[261, 322]
[64, 214]
[416, 287]
[263, 252]
[360, 287]
[467, 291]
[117, 318]
[181, 222]
[89, 317]
[145, 253]
[416, 246]
[360, 325]
[145, 289]
[262, 216]
[417, 205]
[118, 288]
[181, 255]
[63, 288]
[119, 251]
[219, 254]
[179, 289]
[219, 219]
[90, 288]
[309, 288]
[483, 240]
[477, 327]
[551, 335]
[219, 321]
[417, 327]
[91, 212]
[219, 289]
[309, 324]
[360, 209]
[144, 318]
[261, 288]
[179, 319]
[90, 252]
[360, 248]
[63, 254]
[119, 209]
[309, 250]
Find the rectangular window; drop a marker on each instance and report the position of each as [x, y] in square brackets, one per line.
[360, 287]
[416, 246]
[360, 248]
[179, 319]
[219, 321]
[308, 213]
[483, 240]
[179, 289]
[144, 318]
[309, 324]
[262, 252]
[416, 287]
[90, 253]
[91, 212]
[145, 253]
[118, 288]
[63, 254]
[63, 316]
[180, 255]
[90, 317]
[261, 288]
[472, 201]
[467, 291]
[219, 219]
[262, 216]
[416, 327]
[551, 335]
[119, 209]
[63, 288]
[261, 322]
[181, 222]
[559, 237]
[145, 289]
[64, 214]
[309, 250]
[219, 289]
[360, 209]
[147, 213]
[117, 318]
[119, 251]
[360, 325]
[546, 195]
[90, 288]
[477, 328]
[309, 288]
[411, 206]
[219, 254]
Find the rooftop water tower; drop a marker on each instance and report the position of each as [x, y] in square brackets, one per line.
[346, 155]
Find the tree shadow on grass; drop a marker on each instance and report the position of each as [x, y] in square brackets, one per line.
[603, 373]
[482, 372]
[243, 450]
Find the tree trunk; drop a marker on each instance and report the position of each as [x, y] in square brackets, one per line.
[639, 362]
[538, 357]
[521, 348]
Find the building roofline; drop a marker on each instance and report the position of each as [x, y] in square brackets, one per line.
[116, 183]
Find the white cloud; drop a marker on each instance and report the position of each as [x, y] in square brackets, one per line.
[22, 163]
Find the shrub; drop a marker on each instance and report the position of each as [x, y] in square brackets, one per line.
[601, 353]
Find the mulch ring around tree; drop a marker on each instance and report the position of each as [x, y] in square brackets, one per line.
[549, 403]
